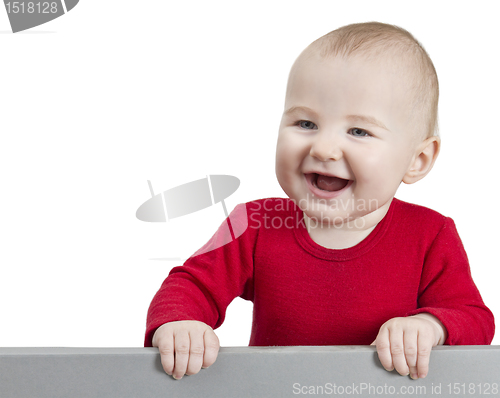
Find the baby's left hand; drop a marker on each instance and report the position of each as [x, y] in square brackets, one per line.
[405, 344]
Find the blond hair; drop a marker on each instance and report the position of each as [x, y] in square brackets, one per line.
[374, 39]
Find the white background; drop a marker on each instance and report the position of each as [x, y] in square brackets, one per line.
[116, 92]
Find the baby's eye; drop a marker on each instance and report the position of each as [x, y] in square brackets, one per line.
[306, 124]
[359, 132]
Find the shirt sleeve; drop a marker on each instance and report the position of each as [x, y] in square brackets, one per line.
[448, 292]
[202, 288]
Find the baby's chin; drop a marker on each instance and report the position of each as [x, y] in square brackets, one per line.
[331, 215]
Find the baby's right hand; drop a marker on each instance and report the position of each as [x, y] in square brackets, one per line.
[185, 347]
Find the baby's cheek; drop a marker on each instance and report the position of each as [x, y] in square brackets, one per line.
[286, 158]
[280, 161]
[282, 168]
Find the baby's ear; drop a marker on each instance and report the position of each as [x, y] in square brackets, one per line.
[423, 160]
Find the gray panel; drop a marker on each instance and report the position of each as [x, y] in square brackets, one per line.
[244, 372]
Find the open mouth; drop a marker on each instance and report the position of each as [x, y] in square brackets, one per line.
[327, 183]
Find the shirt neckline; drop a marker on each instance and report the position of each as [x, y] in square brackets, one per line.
[306, 242]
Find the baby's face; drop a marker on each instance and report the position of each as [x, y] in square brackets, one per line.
[345, 141]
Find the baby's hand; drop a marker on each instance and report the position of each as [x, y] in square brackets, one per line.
[405, 344]
[185, 347]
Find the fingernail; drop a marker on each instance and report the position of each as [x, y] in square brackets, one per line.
[176, 377]
[414, 376]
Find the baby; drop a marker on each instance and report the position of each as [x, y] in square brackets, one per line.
[341, 261]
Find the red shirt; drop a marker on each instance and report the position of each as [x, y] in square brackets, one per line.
[305, 294]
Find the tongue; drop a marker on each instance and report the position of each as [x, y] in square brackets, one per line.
[330, 183]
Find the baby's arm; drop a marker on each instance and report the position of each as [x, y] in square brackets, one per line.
[192, 300]
[447, 296]
[405, 343]
[186, 347]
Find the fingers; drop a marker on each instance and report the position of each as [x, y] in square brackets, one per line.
[405, 345]
[164, 340]
[391, 349]
[196, 352]
[398, 352]
[410, 352]
[211, 348]
[424, 354]
[384, 348]
[185, 347]
[181, 346]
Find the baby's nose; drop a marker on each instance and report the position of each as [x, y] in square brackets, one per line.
[326, 147]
